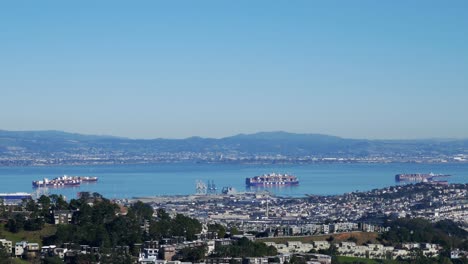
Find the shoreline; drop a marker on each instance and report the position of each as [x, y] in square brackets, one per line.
[41, 165]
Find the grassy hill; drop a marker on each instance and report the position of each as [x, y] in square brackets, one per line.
[30, 236]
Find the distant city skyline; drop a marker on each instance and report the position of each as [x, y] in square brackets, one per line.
[373, 69]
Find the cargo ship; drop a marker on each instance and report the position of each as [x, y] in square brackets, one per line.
[419, 177]
[272, 179]
[64, 181]
[86, 178]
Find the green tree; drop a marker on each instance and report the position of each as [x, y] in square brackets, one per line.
[52, 260]
[332, 250]
[246, 248]
[297, 260]
[124, 231]
[446, 233]
[163, 215]
[34, 223]
[44, 203]
[58, 202]
[103, 212]
[160, 229]
[185, 226]
[12, 226]
[97, 196]
[444, 260]
[196, 254]
[218, 228]
[16, 223]
[84, 215]
[30, 205]
[2, 208]
[75, 204]
[4, 256]
[234, 231]
[141, 211]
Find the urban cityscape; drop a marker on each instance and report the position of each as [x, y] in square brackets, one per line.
[233, 132]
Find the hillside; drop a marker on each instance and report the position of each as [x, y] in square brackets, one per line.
[30, 145]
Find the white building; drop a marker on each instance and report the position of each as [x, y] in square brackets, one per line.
[20, 247]
[7, 244]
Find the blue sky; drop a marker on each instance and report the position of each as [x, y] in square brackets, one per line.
[147, 69]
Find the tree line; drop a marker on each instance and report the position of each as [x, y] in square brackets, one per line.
[96, 222]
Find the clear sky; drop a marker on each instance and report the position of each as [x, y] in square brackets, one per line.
[147, 69]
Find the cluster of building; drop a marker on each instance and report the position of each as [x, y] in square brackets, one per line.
[167, 251]
[21, 249]
[351, 249]
[270, 216]
[19, 156]
[357, 211]
[151, 252]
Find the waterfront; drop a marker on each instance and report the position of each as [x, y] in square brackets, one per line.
[126, 181]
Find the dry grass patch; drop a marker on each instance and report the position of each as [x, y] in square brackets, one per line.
[361, 238]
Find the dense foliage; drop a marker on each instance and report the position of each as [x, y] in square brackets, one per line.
[180, 225]
[195, 254]
[218, 228]
[246, 248]
[96, 222]
[3, 255]
[446, 233]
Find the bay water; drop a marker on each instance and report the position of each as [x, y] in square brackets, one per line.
[128, 181]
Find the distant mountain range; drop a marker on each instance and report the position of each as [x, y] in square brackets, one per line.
[57, 144]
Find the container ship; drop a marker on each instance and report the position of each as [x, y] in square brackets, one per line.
[64, 181]
[419, 177]
[272, 179]
[86, 178]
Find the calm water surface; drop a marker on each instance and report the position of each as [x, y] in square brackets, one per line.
[126, 181]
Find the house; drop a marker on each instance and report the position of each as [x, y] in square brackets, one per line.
[226, 260]
[150, 252]
[318, 245]
[20, 248]
[168, 252]
[32, 250]
[47, 251]
[60, 252]
[210, 247]
[255, 260]
[222, 242]
[24, 248]
[62, 217]
[52, 250]
[320, 258]
[457, 254]
[151, 260]
[7, 244]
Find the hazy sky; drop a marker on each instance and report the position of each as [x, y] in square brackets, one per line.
[146, 69]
